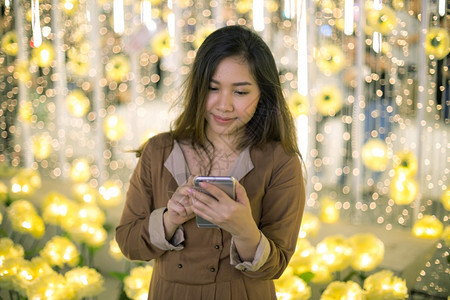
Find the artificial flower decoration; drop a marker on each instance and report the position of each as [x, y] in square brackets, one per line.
[368, 251]
[41, 145]
[86, 282]
[403, 190]
[384, 285]
[80, 170]
[83, 192]
[26, 111]
[162, 43]
[335, 252]
[69, 6]
[302, 257]
[9, 250]
[43, 55]
[25, 182]
[429, 227]
[3, 192]
[78, 60]
[114, 250]
[9, 43]
[92, 234]
[445, 199]
[24, 218]
[24, 277]
[55, 208]
[322, 273]
[375, 155]
[446, 235]
[348, 290]
[405, 162]
[114, 127]
[328, 212]
[90, 213]
[53, 284]
[77, 103]
[310, 225]
[201, 34]
[330, 59]
[329, 101]
[110, 194]
[8, 272]
[381, 20]
[298, 104]
[437, 42]
[244, 6]
[21, 71]
[289, 286]
[117, 68]
[138, 281]
[59, 251]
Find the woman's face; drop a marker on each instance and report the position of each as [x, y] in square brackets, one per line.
[232, 98]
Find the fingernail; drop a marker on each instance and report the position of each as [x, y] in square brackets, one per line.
[190, 191]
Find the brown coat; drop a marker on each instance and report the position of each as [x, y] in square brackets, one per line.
[202, 269]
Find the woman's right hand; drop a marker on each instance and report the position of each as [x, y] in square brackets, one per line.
[179, 209]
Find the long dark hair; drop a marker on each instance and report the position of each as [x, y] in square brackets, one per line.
[272, 120]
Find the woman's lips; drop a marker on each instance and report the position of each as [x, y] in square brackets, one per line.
[222, 120]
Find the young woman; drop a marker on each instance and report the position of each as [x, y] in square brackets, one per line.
[236, 123]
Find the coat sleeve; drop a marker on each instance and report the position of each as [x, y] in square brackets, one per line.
[132, 233]
[282, 210]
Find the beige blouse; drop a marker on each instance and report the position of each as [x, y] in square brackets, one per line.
[202, 263]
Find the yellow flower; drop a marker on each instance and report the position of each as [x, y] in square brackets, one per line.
[429, 227]
[330, 59]
[26, 111]
[59, 251]
[298, 104]
[383, 20]
[90, 213]
[405, 162]
[437, 42]
[368, 251]
[41, 266]
[445, 199]
[403, 190]
[322, 274]
[328, 212]
[138, 281]
[21, 71]
[201, 34]
[80, 170]
[375, 155]
[114, 127]
[384, 285]
[77, 103]
[335, 252]
[349, 290]
[92, 234]
[302, 258]
[55, 208]
[244, 6]
[25, 219]
[289, 286]
[54, 284]
[9, 43]
[446, 235]
[117, 68]
[3, 192]
[24, 277]
[8, 272]
[329, 101]
[114, 250]
[41, 145]
[86, 282]
[162, 44]
[78, 60]
[310, 225]
[84, 193]
[110, 194]
[9, 250]
[43, 55]
[25, 182]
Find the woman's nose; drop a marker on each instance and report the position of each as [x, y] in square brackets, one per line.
[225, 101]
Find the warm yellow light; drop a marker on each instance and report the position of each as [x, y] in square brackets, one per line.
[59, 251]
[85, 281]
[138, 281]
[328, 212]
[384, 285]
[381, 20]
[429, 227]
[25, 182]
[162, 44]
[348, 290]
[330, 59]
[298, 104]
[41, 146]
[329, 101]
[77, 103]
[368, 251]
[437, 42]
[9, 43]
[114, 127]
[403, 190]
[335, 252]
[43, 55]
[117, 68]
[310, 225]
[445, 199]
[80, 170]
[110, 194]
[375, 155]
[405, 162]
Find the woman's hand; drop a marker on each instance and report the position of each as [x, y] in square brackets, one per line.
[230, 215]
[179, 209]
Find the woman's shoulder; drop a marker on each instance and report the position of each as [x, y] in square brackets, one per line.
[157, 142]
[275, 152]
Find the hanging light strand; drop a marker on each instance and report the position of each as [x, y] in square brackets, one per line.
[36, 23]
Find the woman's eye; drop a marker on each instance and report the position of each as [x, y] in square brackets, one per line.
[212, 88]
[241, 93]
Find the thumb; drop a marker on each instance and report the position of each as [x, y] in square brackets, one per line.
[241, 194]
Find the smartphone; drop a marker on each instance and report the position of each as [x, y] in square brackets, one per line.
[226, 183]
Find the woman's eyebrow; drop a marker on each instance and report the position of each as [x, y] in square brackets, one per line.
[235, 83]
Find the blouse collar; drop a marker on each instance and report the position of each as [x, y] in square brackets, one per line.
[177, 165]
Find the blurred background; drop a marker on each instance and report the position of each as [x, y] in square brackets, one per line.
[85, 82]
